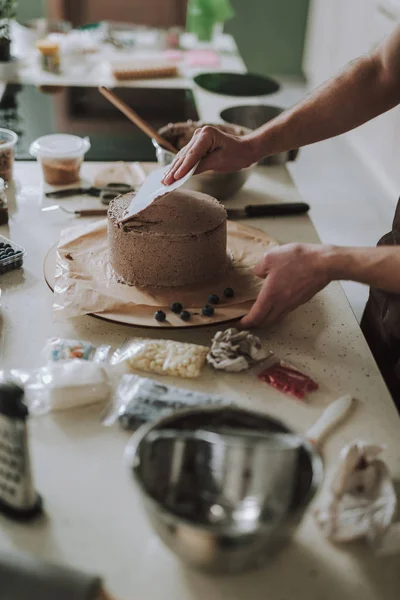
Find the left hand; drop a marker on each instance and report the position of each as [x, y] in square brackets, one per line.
[293, 274]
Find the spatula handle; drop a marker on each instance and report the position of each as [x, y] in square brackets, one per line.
[134, 118]
[331, 417]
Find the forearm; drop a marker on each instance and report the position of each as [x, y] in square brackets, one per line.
[376, 267]
[364, 90]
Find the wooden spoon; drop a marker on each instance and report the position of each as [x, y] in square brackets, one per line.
[134, 118]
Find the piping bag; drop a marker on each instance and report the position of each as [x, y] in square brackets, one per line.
[361, 502]
[151, 189]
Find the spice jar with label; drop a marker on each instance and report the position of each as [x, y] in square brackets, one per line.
[50, 55]
[3, 203]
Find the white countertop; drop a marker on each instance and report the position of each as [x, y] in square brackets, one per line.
[94, 519]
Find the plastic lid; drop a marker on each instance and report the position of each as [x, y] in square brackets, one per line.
[2, 185]
[60, 145]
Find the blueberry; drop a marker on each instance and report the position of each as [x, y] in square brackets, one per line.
[229, 293]
[1, 244]
[160, 316]
[10, 252]
[3, 254]
[213, 299]
[185, 315]
[208, 310]
[7, 246]
[176, 307]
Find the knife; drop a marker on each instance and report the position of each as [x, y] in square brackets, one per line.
[268, 210]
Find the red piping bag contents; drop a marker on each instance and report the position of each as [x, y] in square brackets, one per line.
[287, 379]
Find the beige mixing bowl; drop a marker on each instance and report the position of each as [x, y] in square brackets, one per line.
[218, 185]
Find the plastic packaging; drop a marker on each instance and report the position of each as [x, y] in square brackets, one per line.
[164, 357]
[11, 255]
[3, 203]
[287, 379]
[62, 385]
[233, 350]
[57, 349]
[61, 156]
[8, 139]
[139, 399]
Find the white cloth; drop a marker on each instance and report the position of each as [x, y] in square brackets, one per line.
[361, 502]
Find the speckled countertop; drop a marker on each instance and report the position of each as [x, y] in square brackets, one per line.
[94, 518]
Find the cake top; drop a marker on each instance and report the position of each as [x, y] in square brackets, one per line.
[181, 212]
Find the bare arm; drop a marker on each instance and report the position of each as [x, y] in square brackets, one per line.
[296, 272]
[368, 87]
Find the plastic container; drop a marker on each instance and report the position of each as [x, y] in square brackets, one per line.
[3, 203]
[61, 156]
[8, 261]
[8, 139]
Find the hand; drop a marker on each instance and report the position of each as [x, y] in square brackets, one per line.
[293, 274]
[216, 150]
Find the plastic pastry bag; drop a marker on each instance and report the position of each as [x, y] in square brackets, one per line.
[164, 357]
[361, 502]
[233, 350]
[62, 385]
[57, 349]
[286, 378]
[139, 399]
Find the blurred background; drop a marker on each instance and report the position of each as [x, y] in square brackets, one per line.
[270, 34]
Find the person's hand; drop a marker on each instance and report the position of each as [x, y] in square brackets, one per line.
[216, 150]
[293, 275]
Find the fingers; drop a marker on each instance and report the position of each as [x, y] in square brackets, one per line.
[260, 309]
[198, 147]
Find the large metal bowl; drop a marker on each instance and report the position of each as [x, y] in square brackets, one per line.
[181, 526]
[254, 116]
[218, 185]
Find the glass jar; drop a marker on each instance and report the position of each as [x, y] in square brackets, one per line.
[3, 203]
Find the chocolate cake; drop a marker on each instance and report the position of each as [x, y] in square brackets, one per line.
[178, 240]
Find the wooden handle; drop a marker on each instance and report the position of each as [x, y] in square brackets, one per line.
[134, 118]
[92, 212]
[332, 416]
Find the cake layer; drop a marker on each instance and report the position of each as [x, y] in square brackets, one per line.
[179, 240]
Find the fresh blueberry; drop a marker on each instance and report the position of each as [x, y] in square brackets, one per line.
[176, 307]
[1, 244]
[160, 316]
[10, 252]
[213, 299]
[185, 315]
[229, 293]
[208, 310]
[7, 246]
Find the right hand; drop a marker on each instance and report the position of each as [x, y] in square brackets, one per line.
[216, 151]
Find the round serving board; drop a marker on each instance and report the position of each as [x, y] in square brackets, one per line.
[144, 315]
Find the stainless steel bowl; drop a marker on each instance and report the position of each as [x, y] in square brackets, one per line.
[180, 512]
[254, 116]
[218, 185]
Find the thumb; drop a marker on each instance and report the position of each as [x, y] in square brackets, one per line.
[260, 269]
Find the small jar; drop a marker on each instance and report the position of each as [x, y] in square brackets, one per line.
[50, 55]
[60, 156]
[3, 203]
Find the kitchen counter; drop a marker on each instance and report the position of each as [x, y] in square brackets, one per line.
[94, 519]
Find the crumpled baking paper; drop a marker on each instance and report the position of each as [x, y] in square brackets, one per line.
[233, 350]
[85, 282]
[362, 501]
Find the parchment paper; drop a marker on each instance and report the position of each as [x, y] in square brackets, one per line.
[85, 283]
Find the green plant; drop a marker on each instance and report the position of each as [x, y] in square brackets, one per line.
[8, 11]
